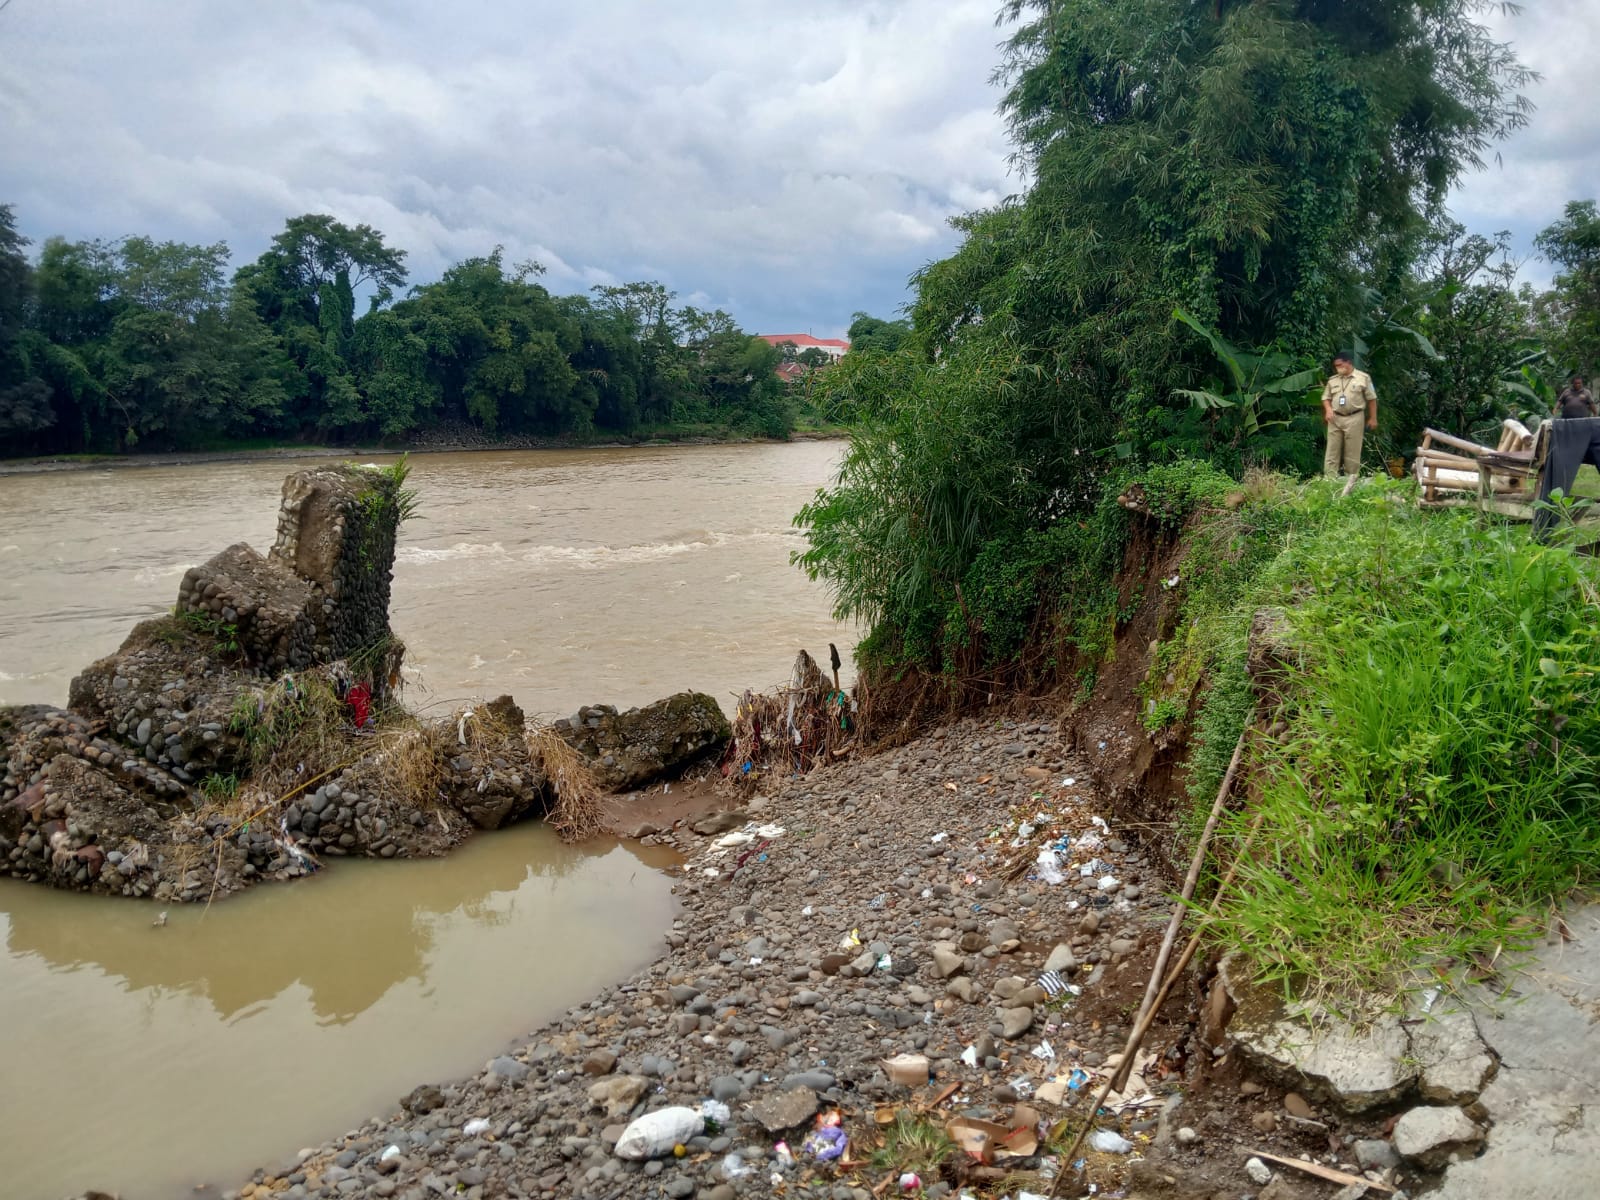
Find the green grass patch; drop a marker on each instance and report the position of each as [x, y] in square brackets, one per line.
[1433, 784]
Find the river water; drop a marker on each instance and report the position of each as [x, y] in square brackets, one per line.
[153, 1059]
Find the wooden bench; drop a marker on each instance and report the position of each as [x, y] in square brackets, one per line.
[1454, 472]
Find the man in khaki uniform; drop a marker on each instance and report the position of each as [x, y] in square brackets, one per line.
[1349, 404]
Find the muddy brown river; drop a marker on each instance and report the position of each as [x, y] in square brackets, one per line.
[152, 1060]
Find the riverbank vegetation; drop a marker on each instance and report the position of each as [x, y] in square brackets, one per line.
[1222, 195]
[134, 344]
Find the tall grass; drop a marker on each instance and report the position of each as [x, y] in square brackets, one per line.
[1434, 785]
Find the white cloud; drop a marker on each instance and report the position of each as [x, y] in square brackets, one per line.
[789, 163]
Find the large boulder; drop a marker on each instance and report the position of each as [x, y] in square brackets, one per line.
[627, 750]
[490, 775]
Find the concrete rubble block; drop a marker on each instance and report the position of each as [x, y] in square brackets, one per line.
[785, 1110]
[1455, 1063]
[627, 750]
[1353, 1069]
[1432, 1137]
[618, 1094]
[265, 607]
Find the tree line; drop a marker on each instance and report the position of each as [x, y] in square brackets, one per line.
[108, 346]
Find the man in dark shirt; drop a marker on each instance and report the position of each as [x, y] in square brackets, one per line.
[1576, 401]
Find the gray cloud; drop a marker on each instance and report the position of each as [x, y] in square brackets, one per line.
[1533, 174]
[788, 167]
[789, 163]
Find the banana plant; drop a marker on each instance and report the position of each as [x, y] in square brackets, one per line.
[1252, 378]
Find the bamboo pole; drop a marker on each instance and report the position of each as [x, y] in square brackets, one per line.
[1119, 1079]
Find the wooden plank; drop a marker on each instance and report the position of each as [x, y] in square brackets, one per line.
[1322, 1172]
[1450, 439]
[1440, 458]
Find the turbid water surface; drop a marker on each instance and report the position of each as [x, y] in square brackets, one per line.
[562, 577]
[148, 1060]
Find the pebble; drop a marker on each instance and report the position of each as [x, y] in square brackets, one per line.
[1260, 1174]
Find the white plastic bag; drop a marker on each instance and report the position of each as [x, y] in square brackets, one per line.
[1050, 867]
[656, 1133]
[1108, 1141]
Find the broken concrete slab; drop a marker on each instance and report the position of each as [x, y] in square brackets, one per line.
[786, 1110]
[1455, 1064]
[1544, 1027]
[1356, 1067]
[1432, 1137]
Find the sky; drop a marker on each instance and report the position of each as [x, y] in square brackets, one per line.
[789, 163]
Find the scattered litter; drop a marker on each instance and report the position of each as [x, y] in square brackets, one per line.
[716, 1112]
[770, 832]
[1108, 1141]
[1026, 830]
[388, 1153]
[910, 1182]
[807, 911]
[1109, 883]
[475, 1126]
[927, 893]
[1052, 983]
[1069, 781]
[939, 837]
[785, 1155]
[1045, 1051]
[1050, 867]
[735, 1167]
[851, 940]
[1091, 868]
[1429, 998]
[1100, 822]
[885, 963]
[828, 1141]
[1077, 1079]
[755, 962]
[878, 901]
[1022, 1085]
[908, 1070]
[970, 1056]
[738, 837]
[656, 1133]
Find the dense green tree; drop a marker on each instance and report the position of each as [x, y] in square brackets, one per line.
[307, 288]
[873, 335]
[1572, 310]
[1264, 166]
[24, 396]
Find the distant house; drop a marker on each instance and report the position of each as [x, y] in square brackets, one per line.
[834, 348]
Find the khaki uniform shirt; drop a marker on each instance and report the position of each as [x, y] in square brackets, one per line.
[1346, 394]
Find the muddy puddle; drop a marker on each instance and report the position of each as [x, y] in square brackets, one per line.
[149, 1060]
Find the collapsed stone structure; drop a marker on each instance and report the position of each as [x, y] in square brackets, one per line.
[255, 731]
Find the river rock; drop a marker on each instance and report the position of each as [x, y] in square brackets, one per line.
[1430, 1137]
[629, 749]
[1014, 1022]
[1061, 959]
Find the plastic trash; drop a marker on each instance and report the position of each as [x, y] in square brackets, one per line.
[656, 1133]
[1045, 1051]
[785, 1155]
[939, 837]
[826, 1144]
[885, 963]
[970, 1056]
[1069, 781]
[878, 901]
[1077, 1079]
[910, 1181]
[1026, 830]
[807, 911]
[735, 1167]
[1049, 863]
[908, 1070]
[1108, 1141]
[1109, 883]
[851, 940]
[715, 1111]
[1052, 983]
[388, 1153]
[768, 832]
[475, 1126]
[737, 838]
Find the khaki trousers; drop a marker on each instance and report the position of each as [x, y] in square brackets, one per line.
[1344, 443]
